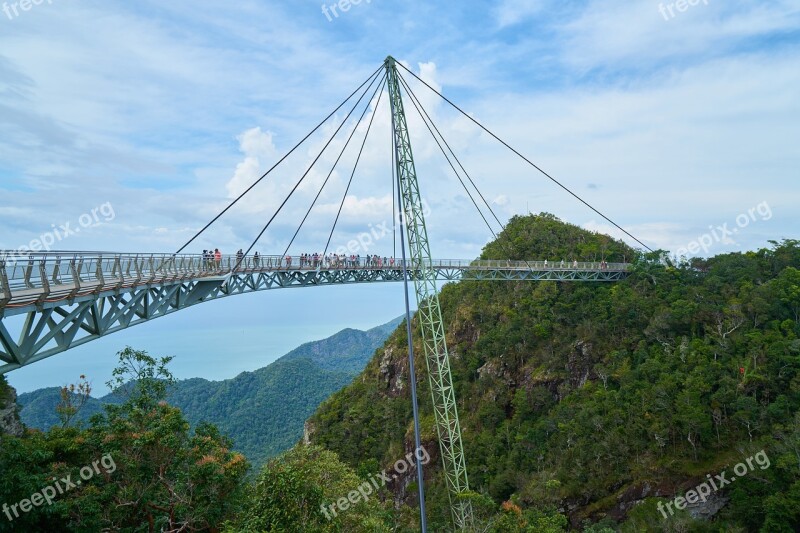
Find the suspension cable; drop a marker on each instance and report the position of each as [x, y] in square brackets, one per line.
[349, 138]
[551, 178]
[352, 175]
[296, 146]
[294, 189]
[450, 149]
[448, 158]
[506, 245]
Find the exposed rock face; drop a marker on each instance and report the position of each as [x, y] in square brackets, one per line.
[308, 432]
[9, 418]
[393, 370]
[579, 364]
[404, 472]
[707, 509]
[635, 494]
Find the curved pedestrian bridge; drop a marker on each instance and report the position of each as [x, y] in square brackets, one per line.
[52, 302]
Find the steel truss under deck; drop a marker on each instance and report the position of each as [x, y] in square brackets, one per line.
[50, 303]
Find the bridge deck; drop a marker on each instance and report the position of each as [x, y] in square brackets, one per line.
[52, 302]
[39, 279]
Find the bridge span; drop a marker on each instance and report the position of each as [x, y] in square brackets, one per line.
[52, 302]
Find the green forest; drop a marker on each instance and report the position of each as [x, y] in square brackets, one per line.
[584, 407]
[265, 409]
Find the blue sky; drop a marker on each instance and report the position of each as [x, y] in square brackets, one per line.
[674, 124]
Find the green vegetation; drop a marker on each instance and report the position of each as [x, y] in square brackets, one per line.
[347, 351]
[156, 475]
[584, 407]
[291, 490]
[262, 411]
[593, 397]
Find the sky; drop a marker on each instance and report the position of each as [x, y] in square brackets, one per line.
[137, 122]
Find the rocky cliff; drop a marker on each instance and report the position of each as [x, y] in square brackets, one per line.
[9, 415]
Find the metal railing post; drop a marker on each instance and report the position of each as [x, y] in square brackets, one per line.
[45, 282]
[76, 277]
[5, 288]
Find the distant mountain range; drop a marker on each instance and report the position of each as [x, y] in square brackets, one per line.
[262, 411]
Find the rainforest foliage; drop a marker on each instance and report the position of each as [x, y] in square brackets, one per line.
[137, 467]
[584, 407]
[263, 410]
[591, 399]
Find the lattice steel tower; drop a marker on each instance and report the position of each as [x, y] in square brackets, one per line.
[437, 359]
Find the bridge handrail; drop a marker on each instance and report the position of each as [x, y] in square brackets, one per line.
[41, 271]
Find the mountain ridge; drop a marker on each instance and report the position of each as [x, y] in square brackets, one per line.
[262, 410]
[594, 403]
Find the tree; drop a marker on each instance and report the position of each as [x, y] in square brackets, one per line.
[165, 478]
[73, 398]
[788, 288]
[304, 490]
[141, 379]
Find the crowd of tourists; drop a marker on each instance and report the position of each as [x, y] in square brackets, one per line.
[212, 259]
[341, 261]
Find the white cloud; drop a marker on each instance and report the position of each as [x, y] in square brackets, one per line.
[369, 209]
[510, 12]
[501, 200]
[684, 128]
[632, 34]
[259, 150]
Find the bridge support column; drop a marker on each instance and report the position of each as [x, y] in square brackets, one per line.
[429, 312]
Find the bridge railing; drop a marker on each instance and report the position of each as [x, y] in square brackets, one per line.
[36, 276]
[294, 263]
[65, 275]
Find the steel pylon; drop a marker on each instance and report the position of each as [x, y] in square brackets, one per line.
[429, 312]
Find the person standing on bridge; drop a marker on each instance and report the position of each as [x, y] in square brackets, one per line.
[217, 257]
[255, 259]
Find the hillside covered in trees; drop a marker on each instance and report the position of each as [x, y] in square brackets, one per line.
[588, 404]
[262, 411]
[594, 407]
